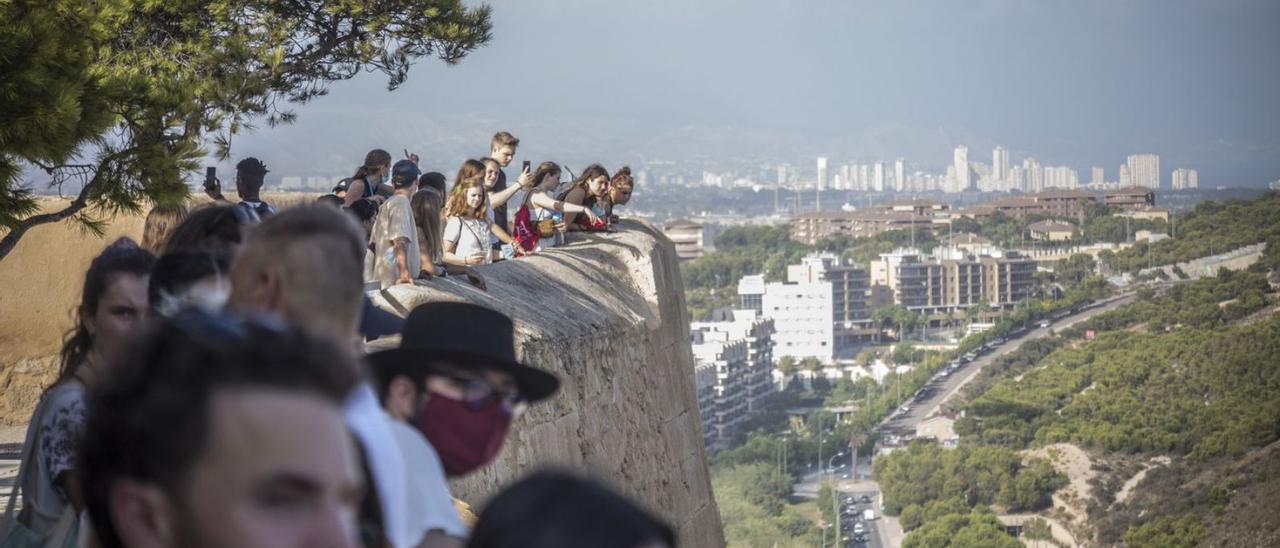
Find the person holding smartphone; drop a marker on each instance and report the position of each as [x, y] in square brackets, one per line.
[467, 230]
[502, 149]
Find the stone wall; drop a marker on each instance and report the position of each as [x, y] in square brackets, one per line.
[606, 314]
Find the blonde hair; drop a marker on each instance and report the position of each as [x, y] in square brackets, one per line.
[503, 139]
[160, 223]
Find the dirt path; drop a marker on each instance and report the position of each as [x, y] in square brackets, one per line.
[1074, 463]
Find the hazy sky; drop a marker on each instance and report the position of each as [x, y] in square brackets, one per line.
[1079, 82]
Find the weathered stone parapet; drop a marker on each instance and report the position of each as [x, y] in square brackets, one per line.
[606, 313]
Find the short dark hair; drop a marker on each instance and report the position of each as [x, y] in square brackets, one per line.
[550, 509]
[433, 179]
[252, 167]
[149, 419]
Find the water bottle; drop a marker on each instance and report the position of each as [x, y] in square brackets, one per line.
[558, 238]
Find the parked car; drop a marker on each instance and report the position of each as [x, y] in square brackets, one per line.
[865, 499]
[868, 514]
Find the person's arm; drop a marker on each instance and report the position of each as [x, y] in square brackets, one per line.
[402, 260]
[544, 202]
[502, 235]
[354, 191]
[524, 182]
[472, 276]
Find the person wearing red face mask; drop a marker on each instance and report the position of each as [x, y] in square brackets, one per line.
[453, 387]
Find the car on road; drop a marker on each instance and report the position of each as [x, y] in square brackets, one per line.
[1043, 323]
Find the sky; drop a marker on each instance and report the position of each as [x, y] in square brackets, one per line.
[1079, 83]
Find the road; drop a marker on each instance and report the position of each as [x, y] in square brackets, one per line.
[940, 389]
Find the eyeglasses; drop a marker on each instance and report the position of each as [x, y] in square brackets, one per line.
[478, 393]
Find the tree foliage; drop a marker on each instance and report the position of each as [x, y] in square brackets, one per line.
[1167, 532]
[118, 96]
[1211, 228]
[965, 477]
[972, 530]
[1197, 386]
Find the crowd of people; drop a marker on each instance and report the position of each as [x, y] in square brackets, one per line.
[216, 390]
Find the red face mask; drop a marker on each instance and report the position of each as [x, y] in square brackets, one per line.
[465, 438]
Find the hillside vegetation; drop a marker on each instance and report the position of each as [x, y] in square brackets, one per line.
[1212, 227]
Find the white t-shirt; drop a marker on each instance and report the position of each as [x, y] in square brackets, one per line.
[471, 235]
[430, 506]
[56, 442]
[371, 427]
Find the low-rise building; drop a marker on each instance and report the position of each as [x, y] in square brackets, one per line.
[1052, 203]
[809, 228]
[1052, 231]
[1131, 198]
[687, 236]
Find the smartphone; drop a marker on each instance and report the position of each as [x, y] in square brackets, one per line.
[526, 166]
[210, 177]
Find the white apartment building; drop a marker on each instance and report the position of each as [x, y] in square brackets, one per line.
[819, 312]
[1144, 170]
[728, 408]
[757, 331]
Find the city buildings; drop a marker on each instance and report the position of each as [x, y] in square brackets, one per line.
[688, 237]
[1131, 198]
[960, 163]
[1185, 179]
[820, 312]
[822, 173]
[811, 227]
[952, 279]
[1144, 169]
[1053, 203]
[726, 403]
[899, 175]
[1000, 167]
[733, 371]
[749, 326]
[1051, 231]
[1099, 176]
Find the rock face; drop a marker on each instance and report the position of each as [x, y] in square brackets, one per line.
[607, 315]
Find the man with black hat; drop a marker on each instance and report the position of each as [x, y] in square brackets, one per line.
[454, 380]
[250, 176]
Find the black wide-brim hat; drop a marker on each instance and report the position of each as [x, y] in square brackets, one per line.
[468, 337]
